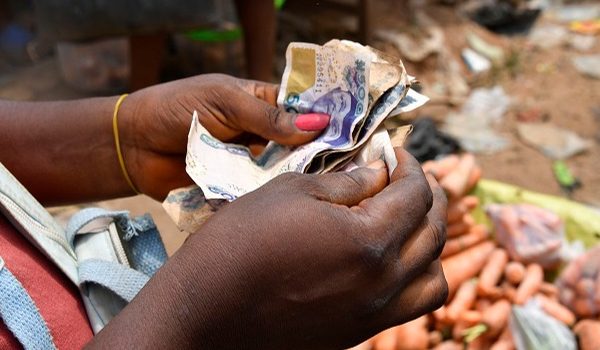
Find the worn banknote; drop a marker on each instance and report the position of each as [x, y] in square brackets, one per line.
[359, 87]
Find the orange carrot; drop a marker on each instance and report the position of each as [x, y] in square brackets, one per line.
[442, 167]
[386, 340]
[465, 265]
[496, 317]
[514, 272]
[476, 235]
[549, 290]
[458, 208]
[435, 338]
[556, 310]
[480, 343]
[584, 307]
[474, 177]
[449, 345]
[534, 276]
[458, 330]
[509, 292]
[482, 304]
[462, 301]
[471, 317]
[587, 331]
[440, 315]
[491, 273]
[455, 183]
[413, 335]
[505, 341]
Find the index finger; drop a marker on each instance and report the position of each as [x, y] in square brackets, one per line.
[262, 90]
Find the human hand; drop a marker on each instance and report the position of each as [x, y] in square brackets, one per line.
[154, 124]
[316, 261]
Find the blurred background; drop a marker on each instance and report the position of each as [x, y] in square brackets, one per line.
[516, 82]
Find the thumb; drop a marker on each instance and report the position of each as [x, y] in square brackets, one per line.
[351, 187]
[259, 117]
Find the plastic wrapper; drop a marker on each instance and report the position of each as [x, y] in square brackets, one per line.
[533, 329]
[579, 284]
[530, 234]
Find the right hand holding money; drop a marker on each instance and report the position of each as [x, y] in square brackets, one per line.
[318, 261]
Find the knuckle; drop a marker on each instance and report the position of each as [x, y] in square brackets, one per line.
[274, 118]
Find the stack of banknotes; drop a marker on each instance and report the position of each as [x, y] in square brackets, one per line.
[358, 86]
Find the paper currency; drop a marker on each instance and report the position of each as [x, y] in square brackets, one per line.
[358, 86]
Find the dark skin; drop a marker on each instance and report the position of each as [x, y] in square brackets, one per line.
[304, 262]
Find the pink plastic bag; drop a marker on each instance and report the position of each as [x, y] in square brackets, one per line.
[529, 233]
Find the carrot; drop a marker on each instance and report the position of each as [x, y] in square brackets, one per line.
[534, 276]
[466, 264]
[471, 317]
[572, 273]
[549, 290]
[386, 340]
[440, 315]
[482, 304]
[458, 208]
[462, 301]
[413, 335]
[496, 317]
[458, 330]
[587, 331]
[514, 272]
[492, 272]
[584, 307]
[477, 235]
[509, 292]
[455, 183]
[435, 338]
[460, 227]
[449, 345]
[505, 341]
[474, 178]
[442, 167]
[556, 310]
[479, 343]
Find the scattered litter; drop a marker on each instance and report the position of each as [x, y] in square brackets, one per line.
[567, 181]
[427, 142]
[554, 142]
[588, 65]
[475, 62]
[582, 12]
[482, 47]
[585, 27]
[582, 42]
[548, 36]
[473, 126]
[531, 115]
[489, 103]
[411, 49]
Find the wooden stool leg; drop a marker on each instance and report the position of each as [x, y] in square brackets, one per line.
[146, 53]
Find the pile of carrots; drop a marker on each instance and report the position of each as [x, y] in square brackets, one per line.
[484, 282]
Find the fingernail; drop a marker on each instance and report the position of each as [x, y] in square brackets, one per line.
[312, 121]
[378, 164]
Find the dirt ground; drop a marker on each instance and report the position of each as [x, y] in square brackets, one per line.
[541, 79]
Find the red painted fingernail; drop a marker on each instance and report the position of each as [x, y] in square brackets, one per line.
[312, 121]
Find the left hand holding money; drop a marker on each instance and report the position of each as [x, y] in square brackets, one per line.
[155, 123]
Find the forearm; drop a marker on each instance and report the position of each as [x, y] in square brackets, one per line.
[64, 151]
